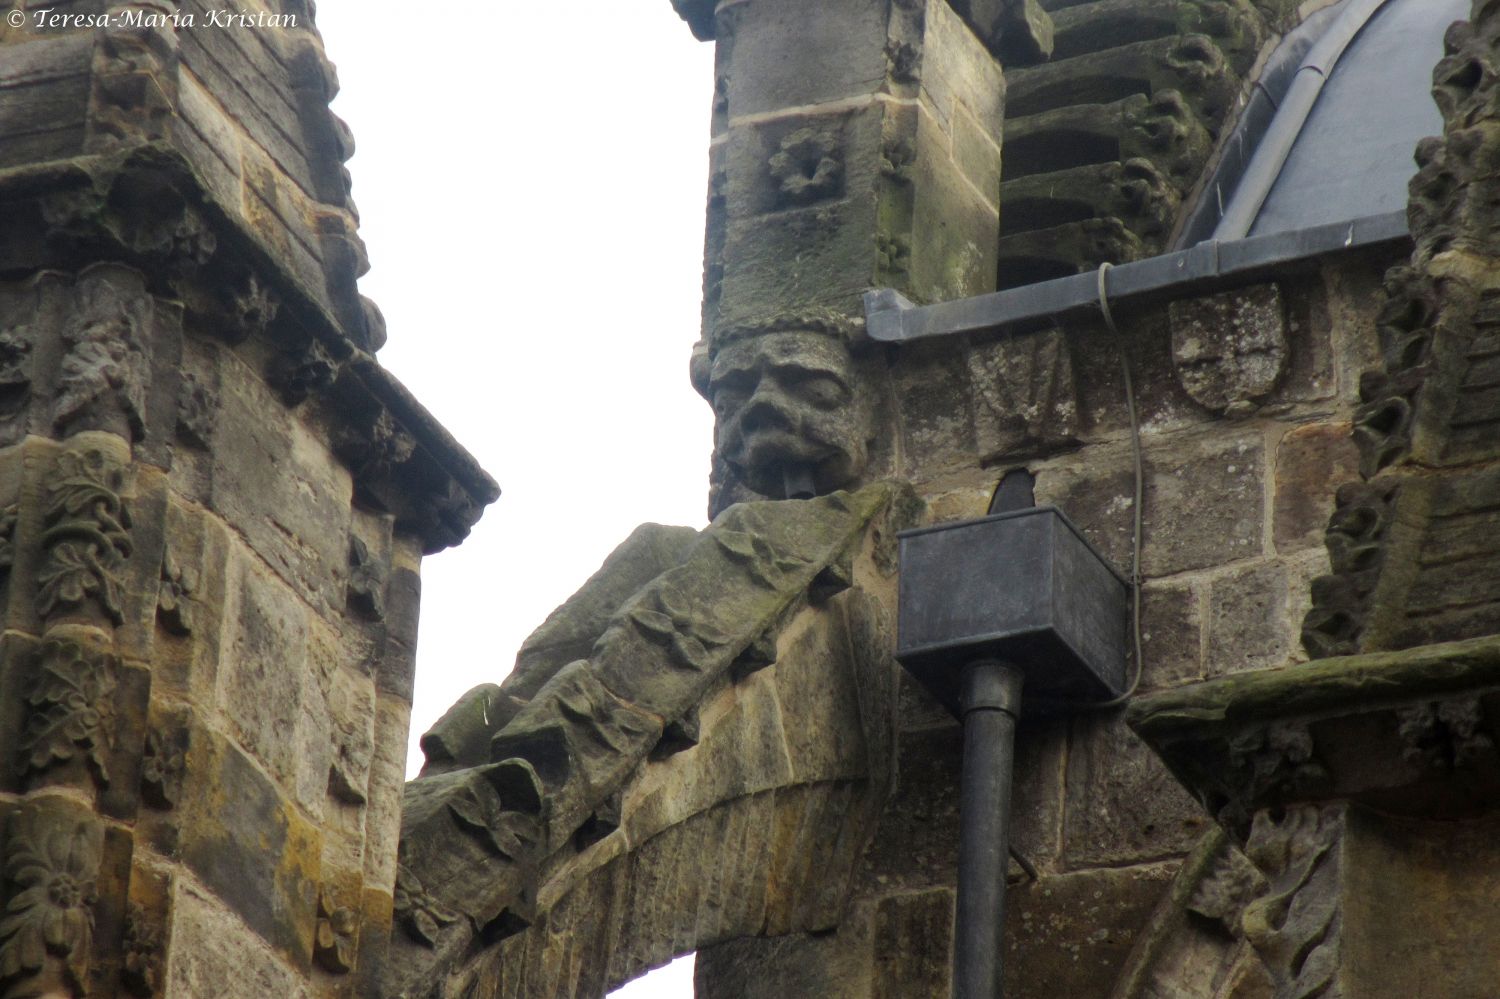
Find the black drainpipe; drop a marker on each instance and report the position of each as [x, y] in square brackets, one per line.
[987, 607]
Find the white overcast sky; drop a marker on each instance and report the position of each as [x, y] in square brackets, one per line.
[530, 179]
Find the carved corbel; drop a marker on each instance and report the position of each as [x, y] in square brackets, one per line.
[299, 374]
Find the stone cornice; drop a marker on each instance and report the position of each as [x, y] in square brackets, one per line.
[65, 214]
[1397, 730]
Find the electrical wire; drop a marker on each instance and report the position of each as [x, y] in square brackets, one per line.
[1140, 491]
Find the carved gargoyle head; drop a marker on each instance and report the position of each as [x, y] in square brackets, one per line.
[791, 419]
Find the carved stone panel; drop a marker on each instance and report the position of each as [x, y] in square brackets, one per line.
[52, 856]
[105, 370]
[1229, 350]
[1025, 398]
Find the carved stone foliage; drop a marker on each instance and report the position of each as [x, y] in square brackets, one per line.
[1445, 735]
[789, 417]
[1230, 884]
[16, 343]
[133, 82]
[46, 933]
[105, 367]
[808, 166]
[474, 838]
[141, 972]
[1357, 539]
[163, 766]
[336, 936]
[1274, 761]
[182, 238]
[86, 537]
[1026, 396]
[70, 713]
[299, 374]
[196, 405]
[1229, 350]
[1296, 925]
[374, 446]
[1104, 178]
[367, 580]
[249, 308]
[1384, 422]
[174, 597]
[417, 912]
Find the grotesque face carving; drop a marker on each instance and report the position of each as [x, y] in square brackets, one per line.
[788, 412]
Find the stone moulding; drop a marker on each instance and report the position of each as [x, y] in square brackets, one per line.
[1395, 730]
[435, 488]
[475, 837]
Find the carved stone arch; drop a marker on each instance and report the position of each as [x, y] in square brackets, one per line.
[755, 830]
[603, 843]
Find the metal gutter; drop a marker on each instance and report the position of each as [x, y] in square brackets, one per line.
[891, 318]
[1276, 145]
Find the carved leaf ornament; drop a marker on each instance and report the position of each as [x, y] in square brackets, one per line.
[422, 915]
[70, 711]
[86, 538]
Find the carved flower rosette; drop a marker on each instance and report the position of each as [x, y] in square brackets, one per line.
[52, 860]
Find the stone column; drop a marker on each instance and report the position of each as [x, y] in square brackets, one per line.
[856, 143]
[213, 503]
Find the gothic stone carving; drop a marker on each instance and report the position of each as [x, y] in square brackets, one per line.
[574, 742]
[372, 447]
[86, 538]
[163, 766]
[366, 592]
[1384, 422]
[142, 970]
[787, 406]
[336, 936]
[1356, 540]
[1273, 761]
[16, 345]
[196, 405]
[1445, 735]
[417, 912]
[807, 167]
[300, 374]
[133, 82]
[69, 710]
[174, 598]
[1295, 926]
[46, 933]
[105, 365]
[1229, 350]
[1026, 398]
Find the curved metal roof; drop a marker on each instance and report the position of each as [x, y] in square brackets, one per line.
[1329, 133]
